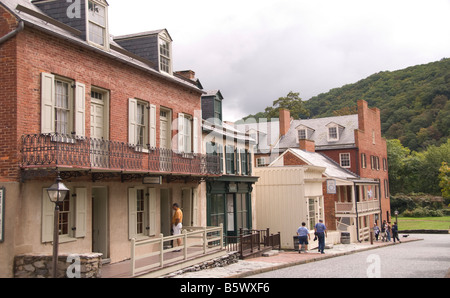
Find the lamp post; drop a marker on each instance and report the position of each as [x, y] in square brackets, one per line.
[57, 194]
[396, 217]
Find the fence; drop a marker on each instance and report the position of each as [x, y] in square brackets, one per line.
[250, 241]
[69, 151]
[196, 241]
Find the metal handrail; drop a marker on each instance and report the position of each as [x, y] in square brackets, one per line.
[70, 151]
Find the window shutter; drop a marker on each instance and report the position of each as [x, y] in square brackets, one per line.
[47, 103]
[152, 129]
[181, 132]
[48, 213]
[80, 102]
[152, 211]
[80, 208]
[132, 213]
[195, 133]
[132, 114]
[195, 221]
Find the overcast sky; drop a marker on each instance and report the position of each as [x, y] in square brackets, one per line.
[255, 51]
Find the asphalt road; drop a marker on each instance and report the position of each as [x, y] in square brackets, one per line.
[428, 258]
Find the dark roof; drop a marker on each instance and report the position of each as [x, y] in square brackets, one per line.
[33, 17]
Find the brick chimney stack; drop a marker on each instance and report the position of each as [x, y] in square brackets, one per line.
[187, 74]
[285, 121]
[307, 145]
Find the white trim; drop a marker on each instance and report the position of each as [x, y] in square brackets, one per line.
[349, 160]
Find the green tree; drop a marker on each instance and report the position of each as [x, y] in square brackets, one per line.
[291, 102]
[444, 177]
[397, 155]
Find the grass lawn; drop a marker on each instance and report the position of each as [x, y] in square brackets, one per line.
[423, 223]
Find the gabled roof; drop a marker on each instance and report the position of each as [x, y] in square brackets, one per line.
[216, 93]
[33, 17]
[319, 125]
[333, 170]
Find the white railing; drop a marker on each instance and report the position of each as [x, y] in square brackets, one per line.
[201, 240]
[364, 234]
[365, 206]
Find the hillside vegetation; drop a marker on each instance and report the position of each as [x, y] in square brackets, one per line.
[414, 103]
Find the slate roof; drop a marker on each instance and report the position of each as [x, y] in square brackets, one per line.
[36, 18]
[320, 134]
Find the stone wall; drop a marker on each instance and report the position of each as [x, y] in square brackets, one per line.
[226, 260]
[69, 266]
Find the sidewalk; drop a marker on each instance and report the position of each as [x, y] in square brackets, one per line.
[279, 260]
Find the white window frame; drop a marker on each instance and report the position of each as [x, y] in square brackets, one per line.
[188, 134]
[104, 27]
[76, 106]
[77, 216]
[164, 38]
[304, 133]
[330, 137]
[150, 202]
[149, 137]
[261, 162]
[341, 160]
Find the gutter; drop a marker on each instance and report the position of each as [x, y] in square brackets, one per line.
[11, 34]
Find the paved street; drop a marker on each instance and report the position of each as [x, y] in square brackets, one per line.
[429, 258]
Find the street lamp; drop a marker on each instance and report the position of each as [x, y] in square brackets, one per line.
[57, 194]
[396, 217]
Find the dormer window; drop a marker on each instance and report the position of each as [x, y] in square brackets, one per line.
[97, 24]
[334, 132]
[165, 53]
[302, 134]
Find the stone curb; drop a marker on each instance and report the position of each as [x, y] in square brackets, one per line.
[320, 258]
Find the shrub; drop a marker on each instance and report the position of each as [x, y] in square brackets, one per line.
[423, 212]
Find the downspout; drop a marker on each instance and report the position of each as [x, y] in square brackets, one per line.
[12, 33]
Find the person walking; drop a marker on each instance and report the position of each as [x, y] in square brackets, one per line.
[321, 230]
[395, 232]
[177, 220]
[388, 231]
[303, 236]
[376, 231]
[383, 231]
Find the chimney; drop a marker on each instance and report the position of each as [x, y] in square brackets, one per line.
[187, 74]
[285, 121]
[307, 145]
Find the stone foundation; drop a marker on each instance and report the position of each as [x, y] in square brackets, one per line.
[69, 266]
[226, 260]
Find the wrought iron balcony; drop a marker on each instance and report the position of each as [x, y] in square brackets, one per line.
[69, 152]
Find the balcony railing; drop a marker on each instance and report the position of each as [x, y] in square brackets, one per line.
[70, 152]
[363, 207]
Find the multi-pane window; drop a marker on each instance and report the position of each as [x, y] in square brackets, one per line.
[345, 160]
[302, 134]
[140, 124]
[64, 214]
[217, 111]
[242, 211]
[164, 51]
[62, 107]
[332, 133]
[140, 211]
[230, 160]
[97, 23]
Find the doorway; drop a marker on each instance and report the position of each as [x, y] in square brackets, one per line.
[100, 237]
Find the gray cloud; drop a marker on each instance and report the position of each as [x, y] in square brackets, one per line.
[257, 51]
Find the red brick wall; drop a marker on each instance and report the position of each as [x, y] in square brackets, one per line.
[292, 160]
[334, 155]
[38, 52]
[369, 122]
[8, 94]
[329, 208]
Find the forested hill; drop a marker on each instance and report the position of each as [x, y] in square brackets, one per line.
[414, 103]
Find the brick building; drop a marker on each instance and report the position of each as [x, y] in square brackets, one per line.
[353, 142]
[110, 116]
